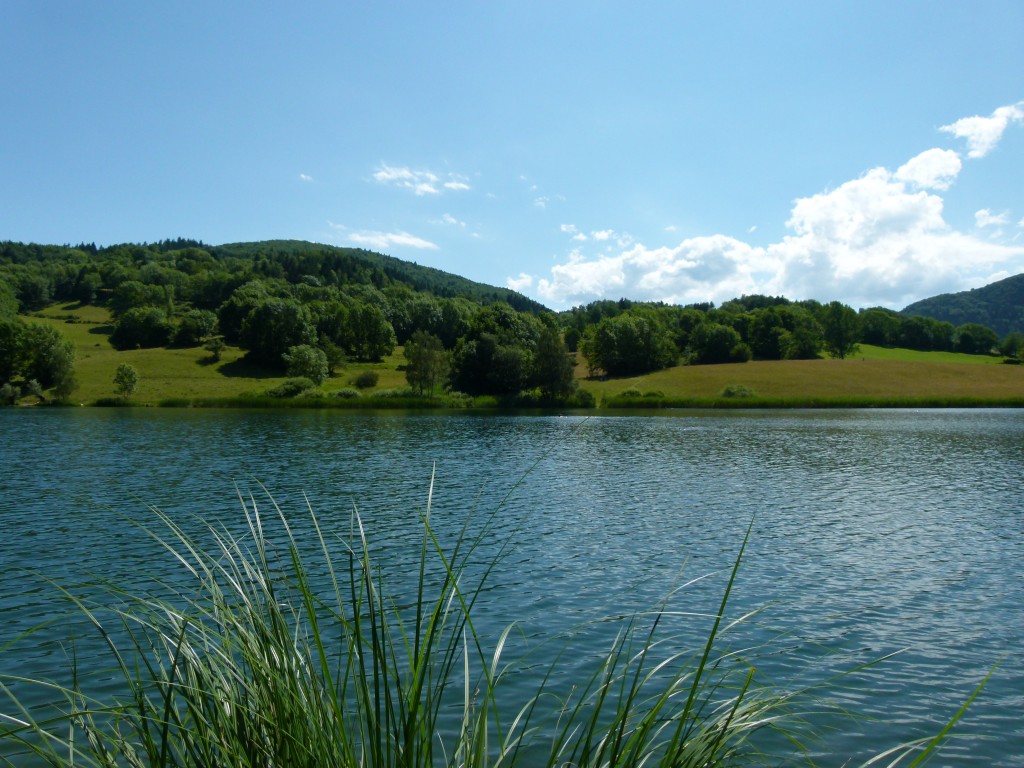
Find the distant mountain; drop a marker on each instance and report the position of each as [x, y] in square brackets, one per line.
[1000, 306]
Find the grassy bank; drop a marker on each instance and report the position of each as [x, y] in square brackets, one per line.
[875, 377]
[283, 652]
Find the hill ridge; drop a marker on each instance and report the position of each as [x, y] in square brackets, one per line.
[998, 305]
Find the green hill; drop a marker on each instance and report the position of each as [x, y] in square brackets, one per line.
[999, 305]
[299, 258]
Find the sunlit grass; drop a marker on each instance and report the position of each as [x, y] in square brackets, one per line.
[179, 373]
[870, 352]
[875, 376]
[859, 381]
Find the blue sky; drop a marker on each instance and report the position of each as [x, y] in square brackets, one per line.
[867, 151]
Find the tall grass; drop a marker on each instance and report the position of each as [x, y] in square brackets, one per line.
[282, 652]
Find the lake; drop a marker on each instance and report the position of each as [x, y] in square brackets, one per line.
[874, 531]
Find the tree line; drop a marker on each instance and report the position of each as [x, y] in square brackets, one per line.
[306, 309]
[627, 338]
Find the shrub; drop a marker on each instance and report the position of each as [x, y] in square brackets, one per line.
[194, 326]
[141, 327]
[347, 393]
[458, 400]
[291, 387]
[366, 379]
[581, 398]
[307, 361]
[738, 390]
[215, 347]
[395, 393]
[9, 394]
[631, 392]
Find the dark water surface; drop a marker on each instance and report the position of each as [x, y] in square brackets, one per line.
[874, 531]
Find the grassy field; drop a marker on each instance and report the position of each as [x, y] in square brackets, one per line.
[178, 373]
[875, 376]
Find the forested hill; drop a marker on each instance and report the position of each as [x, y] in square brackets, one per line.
[295, 261]
[299, 257]
[1000, 306]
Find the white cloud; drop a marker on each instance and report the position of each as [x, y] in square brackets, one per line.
[985, 218]
[873, 241]
[983, 133]
[541, 202]
[570, 229]
[419, 182]
[384, 240]
[932, 169]
[451, 220]
[305, 177]
[880, 239]
[692, 271]
[520, 283]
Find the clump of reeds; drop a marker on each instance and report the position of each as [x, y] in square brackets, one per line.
[257, 663]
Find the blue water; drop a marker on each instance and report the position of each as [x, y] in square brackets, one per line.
[873, 532]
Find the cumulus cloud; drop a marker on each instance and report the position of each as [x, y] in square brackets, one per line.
[985, 218]
[418, 182]
[305, 177]
[520, 283]
[933, 169]
[880, 239]
[983, 133]
[689, 272]
[385, 240]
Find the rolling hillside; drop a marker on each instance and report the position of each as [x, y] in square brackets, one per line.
[1000, 306]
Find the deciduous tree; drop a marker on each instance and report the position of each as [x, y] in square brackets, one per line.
[126, 380]
[427, 364]
[307, 361]
[840, 329]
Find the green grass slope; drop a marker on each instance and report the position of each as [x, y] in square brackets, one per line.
[875, 376]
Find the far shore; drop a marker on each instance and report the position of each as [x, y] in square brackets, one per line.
[874, 377]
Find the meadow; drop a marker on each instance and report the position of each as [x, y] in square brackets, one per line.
[875, 376]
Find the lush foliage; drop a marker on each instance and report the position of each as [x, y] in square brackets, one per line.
[34, 357]
[142, 327]
[632, 342]
[427, 363]
[999, 306]
[840, 328]
[126, 380]
[307, 361]
[356, 306]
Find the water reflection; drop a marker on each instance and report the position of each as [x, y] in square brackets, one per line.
[873, 531]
